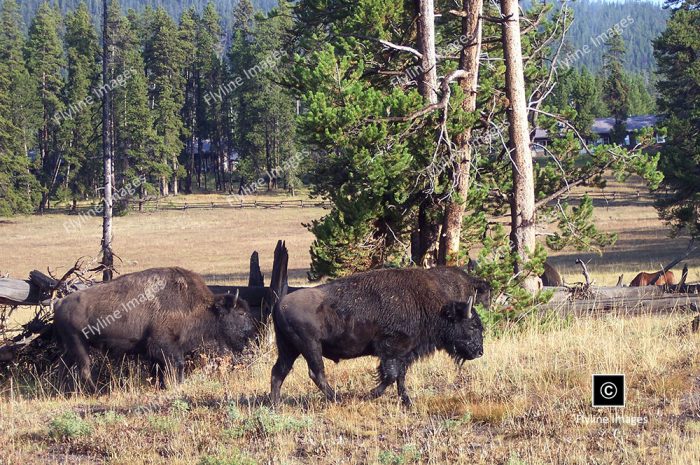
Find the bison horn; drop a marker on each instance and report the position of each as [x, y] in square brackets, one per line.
[470, 304]
[235, 299]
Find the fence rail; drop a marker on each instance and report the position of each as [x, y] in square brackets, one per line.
[163, 205]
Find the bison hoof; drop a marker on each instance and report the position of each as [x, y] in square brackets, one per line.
[406, 401]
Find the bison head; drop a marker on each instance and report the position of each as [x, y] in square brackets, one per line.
[463, 335]
[235, 323]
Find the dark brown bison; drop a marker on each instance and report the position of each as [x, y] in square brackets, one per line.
[551, 276]
[645, 279]
[398, 315]
[163, 313]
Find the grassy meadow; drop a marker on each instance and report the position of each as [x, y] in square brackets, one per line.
[527, 401]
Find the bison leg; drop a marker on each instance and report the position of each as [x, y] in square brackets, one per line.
[401, 385]
[168, 358]
[317, 372]
[284, 364]
[78, 353]
[387, 372]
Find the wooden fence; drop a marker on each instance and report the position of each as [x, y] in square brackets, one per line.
[162, 204]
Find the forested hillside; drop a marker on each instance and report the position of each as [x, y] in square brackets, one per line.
[594, 18]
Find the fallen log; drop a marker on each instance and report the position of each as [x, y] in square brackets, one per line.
[18, 292]
[625, 306]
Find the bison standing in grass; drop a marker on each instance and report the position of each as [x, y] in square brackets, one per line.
[163, 313]
[396, 315]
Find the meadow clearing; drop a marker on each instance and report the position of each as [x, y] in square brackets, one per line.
[527, 401]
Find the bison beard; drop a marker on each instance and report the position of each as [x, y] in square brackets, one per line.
[396, 315]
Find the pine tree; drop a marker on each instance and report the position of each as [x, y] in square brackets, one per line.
[640, 100]
[579, 90]
[45, 62]
[210, 76]
[270, 105]
[135, 138]
[241, 60]
[189, 23]
[164, 64]
[616, 87]
[679, 100]
[18, 187]
[80, 129]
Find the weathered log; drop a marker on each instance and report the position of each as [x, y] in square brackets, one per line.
[563, 294]
[18, 292]
[662, 304]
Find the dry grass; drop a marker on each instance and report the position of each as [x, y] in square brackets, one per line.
[216, 243]
[522, 403]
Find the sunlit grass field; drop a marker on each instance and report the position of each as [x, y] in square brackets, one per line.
[527, 401]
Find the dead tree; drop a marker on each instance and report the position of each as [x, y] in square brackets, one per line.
[107, 253]
[460, 172]
[426, 237]
[255, 278]
[523, 196]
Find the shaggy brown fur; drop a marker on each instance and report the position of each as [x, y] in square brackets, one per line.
[396, 315]
[163, 313]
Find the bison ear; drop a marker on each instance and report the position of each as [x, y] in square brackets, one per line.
[451, 311]
[219, 307]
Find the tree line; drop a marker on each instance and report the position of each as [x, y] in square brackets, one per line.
[175, 8]
[170, 123]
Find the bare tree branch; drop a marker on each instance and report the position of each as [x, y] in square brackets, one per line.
[443, 103]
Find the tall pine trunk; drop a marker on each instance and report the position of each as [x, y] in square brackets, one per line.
[425, 243]
[107, 253]
[461, 166]
[522, 208]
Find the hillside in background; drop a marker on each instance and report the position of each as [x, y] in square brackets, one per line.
[591, 19]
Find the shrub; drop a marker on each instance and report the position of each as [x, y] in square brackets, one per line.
[69, 425]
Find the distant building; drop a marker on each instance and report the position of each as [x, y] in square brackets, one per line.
[602, 129]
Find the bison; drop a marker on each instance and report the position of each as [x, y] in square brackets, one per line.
[397, 315]
[162, 313]
[645, 279]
